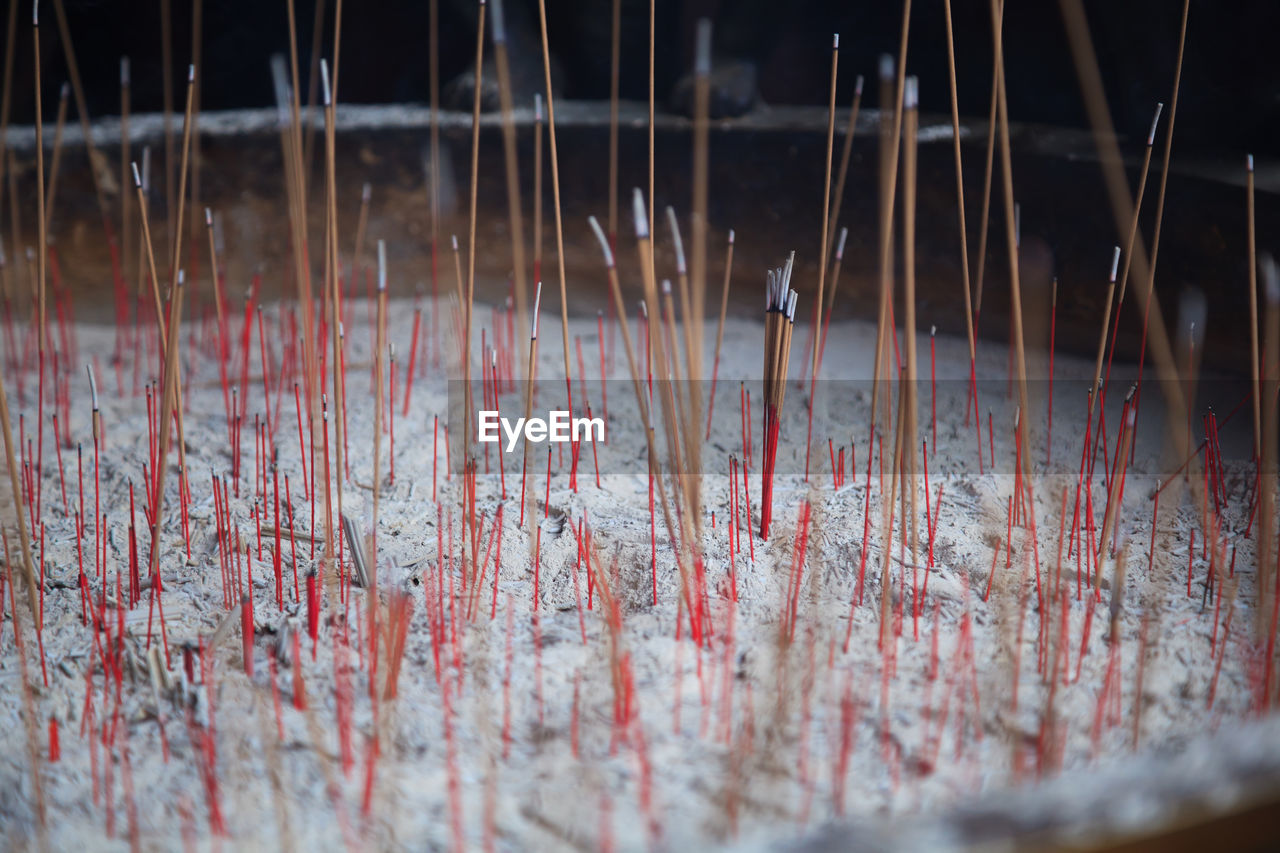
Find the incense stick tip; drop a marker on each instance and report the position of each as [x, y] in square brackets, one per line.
[137, 178]
[537, 303]
[35, 13]
[679, 243]
[730, 236]
[702, 52]
[886, 67]
[637, 211]
[1151, 135]
[1248, 162]
[857, 86]
[1115, 263]
[208, 217]
[124, 71]
[382, 266]
[844, 233]
[911, 93]
[93, 386]
[537, 106]
[324, 81]
[604, 242]
[1271, 279]
[65, 91]
[835, 41]
[499, 23]
[191, 73]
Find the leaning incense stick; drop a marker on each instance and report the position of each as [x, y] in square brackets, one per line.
[826, 216]
[984, 219]
[842, 173]
[955, 139]
[1102, 342]
[56, 162]
[73, 73]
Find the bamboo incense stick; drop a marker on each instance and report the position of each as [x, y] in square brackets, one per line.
[824, 242]
[910, 107]
[512, 166]
[955, 140]
[724, 307]
[845, 152]
[468, 304]
[987, 175]
[56, 162]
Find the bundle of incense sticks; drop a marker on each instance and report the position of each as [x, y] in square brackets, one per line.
[779, 320]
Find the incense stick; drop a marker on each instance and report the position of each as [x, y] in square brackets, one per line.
[724, 307]
[512, 166]
[822, 252]
[555, 190]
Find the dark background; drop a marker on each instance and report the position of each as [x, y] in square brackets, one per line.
[1230, 99]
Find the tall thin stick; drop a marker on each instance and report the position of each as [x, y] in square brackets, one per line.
[724, 307]
[822, 251]
[555, 190]
[512, 166]
[471, 240]
[955, 144]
